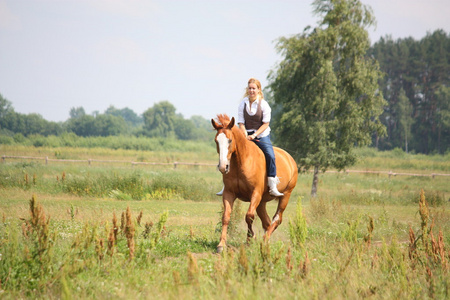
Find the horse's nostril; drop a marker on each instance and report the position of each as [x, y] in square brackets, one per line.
[223, 168]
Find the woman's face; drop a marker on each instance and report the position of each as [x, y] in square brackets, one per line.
[253, 91]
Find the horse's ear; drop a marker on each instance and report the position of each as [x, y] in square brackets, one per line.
[231, 124]
[214, 124]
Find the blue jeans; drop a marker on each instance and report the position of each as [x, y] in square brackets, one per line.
[266, 146]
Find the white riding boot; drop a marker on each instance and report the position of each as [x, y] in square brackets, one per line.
[272, 182]
[221, 192]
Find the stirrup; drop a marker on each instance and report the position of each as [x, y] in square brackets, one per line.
[221, 192]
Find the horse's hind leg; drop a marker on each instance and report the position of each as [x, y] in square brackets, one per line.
[262, 214]
[278, 217]
[250, 216]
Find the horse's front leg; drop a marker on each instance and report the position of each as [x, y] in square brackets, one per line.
[250, 216]
[228, 201]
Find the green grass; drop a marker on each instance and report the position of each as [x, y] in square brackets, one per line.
[335, 260]
[399, 161]
[353, 241]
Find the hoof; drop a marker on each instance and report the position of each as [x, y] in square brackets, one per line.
[219, 249]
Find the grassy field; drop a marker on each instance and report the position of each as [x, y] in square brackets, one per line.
[74, 231]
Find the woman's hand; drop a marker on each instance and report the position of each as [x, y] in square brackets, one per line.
[251, 137]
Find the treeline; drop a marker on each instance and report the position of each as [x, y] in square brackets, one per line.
[160, 121]
[416, 88]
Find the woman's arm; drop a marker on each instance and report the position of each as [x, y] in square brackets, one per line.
[260, 130]
[243, 129]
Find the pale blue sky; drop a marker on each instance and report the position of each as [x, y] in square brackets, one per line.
[59, 54]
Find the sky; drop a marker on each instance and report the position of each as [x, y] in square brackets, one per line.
[198, 55]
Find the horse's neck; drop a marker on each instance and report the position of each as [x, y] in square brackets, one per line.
[248, 159]
[242, 144]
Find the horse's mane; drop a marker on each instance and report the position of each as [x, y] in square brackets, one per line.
[223, 119]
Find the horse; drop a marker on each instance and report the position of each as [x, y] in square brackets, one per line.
[243, 169]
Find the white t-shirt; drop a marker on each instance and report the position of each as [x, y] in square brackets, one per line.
[266, 111]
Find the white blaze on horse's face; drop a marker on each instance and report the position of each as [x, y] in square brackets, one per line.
[223, 144]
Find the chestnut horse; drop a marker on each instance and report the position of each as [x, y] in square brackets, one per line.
[243, 167]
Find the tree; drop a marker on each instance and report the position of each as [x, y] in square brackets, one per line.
[127, 114]
[101, 125]
[107, 125]
[81, 125]
[34, 124]
[201, 123]
[328, 89]
[443, 117]
[203, 129]
[6, 109]
[404, 111]
[76, 113]
[396, 61]
[184, 129]
[420, 68]
[159, 121]
[13, 122]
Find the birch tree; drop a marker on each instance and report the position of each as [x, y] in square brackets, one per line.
[327, 88]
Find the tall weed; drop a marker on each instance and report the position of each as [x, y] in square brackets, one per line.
[27, 260]
[298, 229]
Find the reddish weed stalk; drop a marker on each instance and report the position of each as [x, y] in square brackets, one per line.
[129, 233]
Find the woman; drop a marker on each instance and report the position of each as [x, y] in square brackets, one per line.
[254, 115]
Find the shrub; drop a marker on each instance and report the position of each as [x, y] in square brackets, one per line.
[6, 140]
[398, 153]
[434, 198]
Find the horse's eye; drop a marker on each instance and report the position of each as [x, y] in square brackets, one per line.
[229, 141]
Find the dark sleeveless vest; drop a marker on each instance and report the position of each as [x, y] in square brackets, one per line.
[255, 121]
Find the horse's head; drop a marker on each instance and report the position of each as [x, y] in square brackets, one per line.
[224, 141]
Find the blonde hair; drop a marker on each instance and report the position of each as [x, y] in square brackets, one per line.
[258, 84]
